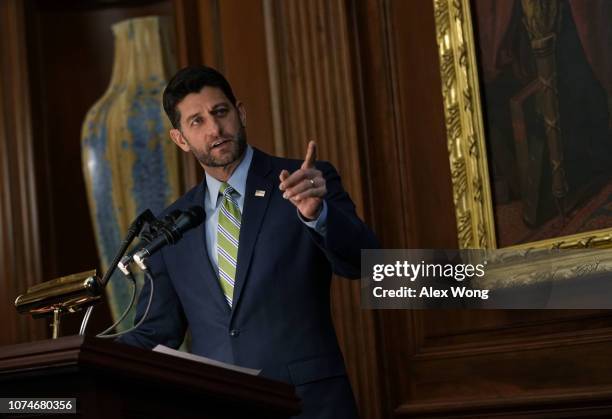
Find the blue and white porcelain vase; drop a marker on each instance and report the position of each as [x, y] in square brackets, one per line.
[129, 162]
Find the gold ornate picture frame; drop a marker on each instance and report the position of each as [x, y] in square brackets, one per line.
[461, 89]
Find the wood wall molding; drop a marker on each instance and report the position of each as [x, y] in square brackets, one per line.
[272, 56]
[557, 341]
[20, 242]
[188, 24]
[313, 94]
[381, 133]
[575, 369]
[586, 404]
[542, 334]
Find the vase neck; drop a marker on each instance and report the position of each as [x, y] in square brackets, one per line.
[143, 50]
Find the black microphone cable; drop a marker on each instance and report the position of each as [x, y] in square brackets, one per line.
[132, 280]
[144, 315]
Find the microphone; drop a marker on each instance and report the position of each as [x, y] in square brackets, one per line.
[170, 233]
[155, 226]
[145, 217]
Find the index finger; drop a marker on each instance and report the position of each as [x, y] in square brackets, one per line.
[311, 156]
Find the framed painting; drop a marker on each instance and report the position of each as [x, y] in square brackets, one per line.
[527, 91]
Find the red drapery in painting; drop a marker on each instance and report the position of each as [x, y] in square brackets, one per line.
[493, 20]
[594, 25]
[593, 19]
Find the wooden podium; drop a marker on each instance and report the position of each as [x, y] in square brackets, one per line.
[111, 380]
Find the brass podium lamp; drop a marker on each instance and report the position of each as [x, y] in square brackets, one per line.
[77, 291]
[66, 294]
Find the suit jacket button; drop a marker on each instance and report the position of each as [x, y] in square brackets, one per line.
[234, 333]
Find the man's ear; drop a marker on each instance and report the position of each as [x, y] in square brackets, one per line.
[241, 112]
[179, 140]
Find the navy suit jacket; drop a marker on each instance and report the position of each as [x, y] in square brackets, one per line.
[280, 321]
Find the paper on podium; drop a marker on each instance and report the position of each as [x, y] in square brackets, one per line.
[169, 351]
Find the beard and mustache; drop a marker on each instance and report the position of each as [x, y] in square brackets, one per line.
[238, 146]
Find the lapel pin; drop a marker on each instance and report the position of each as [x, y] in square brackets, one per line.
[260, 193]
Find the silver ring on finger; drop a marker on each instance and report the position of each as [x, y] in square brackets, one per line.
[312, 182]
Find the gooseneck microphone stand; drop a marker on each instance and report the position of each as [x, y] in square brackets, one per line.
[133, 231]
[168, 230]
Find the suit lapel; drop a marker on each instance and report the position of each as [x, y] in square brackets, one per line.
[196, 242]
[255, 207]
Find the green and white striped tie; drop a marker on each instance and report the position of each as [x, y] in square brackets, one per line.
[228, 232]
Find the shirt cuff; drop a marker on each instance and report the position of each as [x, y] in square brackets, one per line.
[320, 223]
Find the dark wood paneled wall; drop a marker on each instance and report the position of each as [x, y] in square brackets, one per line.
[359, 76]
[20, 247]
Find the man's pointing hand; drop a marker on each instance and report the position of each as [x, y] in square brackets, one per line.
[306, 187]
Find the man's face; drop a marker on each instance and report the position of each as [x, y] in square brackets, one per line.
[211, 128]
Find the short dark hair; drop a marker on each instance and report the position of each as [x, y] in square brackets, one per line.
[192, 80]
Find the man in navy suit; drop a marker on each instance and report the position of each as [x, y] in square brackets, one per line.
[253, 281]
